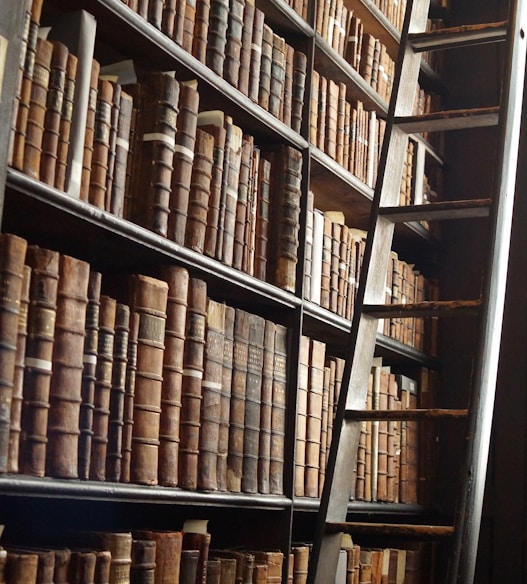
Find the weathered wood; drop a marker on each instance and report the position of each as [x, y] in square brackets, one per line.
[410, 414]
[432, 308]
[442, 210]
[459, 36]
[461, 119]
[398, 529]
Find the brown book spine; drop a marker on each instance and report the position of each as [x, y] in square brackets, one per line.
[183, 162]
[150, 302]
[238, 396]
[301, 562]
[65, 122]
[201, 543]
[276, 87]
[193, 359]
[122, 148]
[21, 567]
[112, 143]
[301, 417]
[175, 28]
[249, 235]
[266, 59]
[246, 48]
[55, 97]
[217, 35]
[143, 567]
[213, 571]
[262, 218]
[39, 350]
[168, 553]
[231, 65]
[242, 211]
[276, 465]
[103, 384]
[189, 21]
[226, 381]
[119, 544]
[89, 131]
[66, 379]
[201, 30]
[15, 427]
[61, 565]
[37, 109]
[286, 103]
[266, 408]
[199, 191]
[103, 563]
[117, 391]
[274, 561]
[256, 54]
[177, 279]
[91, 341]
[189, 566]
[82, 567]
[211, 397]
[155, 12]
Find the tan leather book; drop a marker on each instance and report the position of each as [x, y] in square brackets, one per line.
[143, 567]
[262, 229]
[276, 87]
[325, 274]
[341, 124]
[183, 162]
[301, 417]
[103, 384]
[177, 279]
[246, 47]
[172, 19]
[301, 555]
[217, 35]
[330, 147]
[21, 567]
[155, 13]
[266, 59]
[112, 143]
[89, 133]
[119, 544]
[189, 21]
[266, 407]
[323, 455]
[242, 215]
[200, 542]
[233, 46]
[278, 413]
[213, 571]
[286, 104]
[191, 391]
[149, 301]
[201, 30]
[82, 567]
[61, 565]
[298, 90]
[313, 107]
[256, 54]
[273, 561]
[168, 554]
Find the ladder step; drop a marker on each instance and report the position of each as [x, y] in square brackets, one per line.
[398, 529]
[459, 36]
[466, 209]
[443, 308]
[449, 120]
[410, 414]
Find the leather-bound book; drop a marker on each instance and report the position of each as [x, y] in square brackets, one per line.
[246, 48]
[91, 341]
[262, 218]
[143, 568]
[177, 279]
[238, 395]
[153, 154]
[82, 567]
[213, 571]
[301, 561]
[103, 384]
[21, 567]
[330, 147]
[189, 21]
[253, 398]
[168, 554]
[66, 379]
[226, 379]
[231, 65]
[201, 30]
[38, 365]
[301, 417]
[276, 87]
[61, 565]
[183, 162]
[273, 561]
[217, 35]
[45, 563]
[200, 542]
[259, 575]
[149, 301]
[199, 191]
[256, 54]
[15, 424]
[141, 7]
[173, 19]
[266, 406]
[242, 215]
[155, 12]
[313, 107]
[341, 124]
[65, 121]
[115, 420]
[286, 103]
[276, 465]
[191, 391]
[249, 236]
[266, 60]
[211, 396]
[189, 566]
[227, 570]
[37, 109]
[89, 134]
[119, 544]
[112, 142]
[325, 270]
[213, 123]
[321, 117]
[103, 564]
[52, 117]
[18, 136]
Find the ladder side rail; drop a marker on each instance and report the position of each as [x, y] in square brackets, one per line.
[462, 564]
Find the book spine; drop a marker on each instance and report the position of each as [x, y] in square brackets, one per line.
[112, 143]
[276, 465]
[276, 86]
[189, 21]
[301, 417]
[119, 544]
[122, 148]
[266, 407]
[103, 563]
[89, 133]
[21, 567]
[264, 88]
[201, 30]
[168, 553]
[286, 103]
[143, 566]
[233, 47]
[256, 55]
[262, 219]
[82, 566]
[242, 212]
[245, 52]
[128, 410]
[155, 13]
[217, 35]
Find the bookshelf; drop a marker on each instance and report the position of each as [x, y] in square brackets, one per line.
[118, 247]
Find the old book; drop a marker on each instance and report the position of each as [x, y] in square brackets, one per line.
[155, 137]
[117, 391]
[301, 416]
[227, 570]
[66, 379]
[301, 561]
[213, 571]
[155, 12]
[313, 107]
[189, 21]
[172, 19]
[89, 132]
[213, 122]
[286, 102]
[37, 109]
[103, 564]
[217, 35]
[256, 54]
[142, 569]
[321, 117]
[278, 414]
[21, 567]
[45, 562]
[81, 567]
[149, 301]
[103, 384]
[330, 147]
[168, 553]
[299, 87]
[263, 210]
[183, 162]
[189, 566]
[323, 454]
[276, 86]
[266, 407]
[15, 424]
[91, 340]
[191, 391]
[211, 396]
[177, 279]
[233, 46]
[198, 205]
[52, 117]
[226, 381]
[61, 565]
[201, 30]
[249, 246]
[325, 271]
[119, 544]
[238, 400]
[141, 7]
[273, 560]
[246, 47]
[266, 59]
[242, 211]
[196, 537]
[112, 142]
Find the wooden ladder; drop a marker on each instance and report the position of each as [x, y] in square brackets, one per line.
[369, 308]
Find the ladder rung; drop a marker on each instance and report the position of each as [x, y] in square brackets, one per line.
[409, 414]
[461, 119]
[399, 529]
[443, 308]
[459, 36]
[442, 210]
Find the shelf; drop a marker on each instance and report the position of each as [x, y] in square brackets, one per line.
[283, 18]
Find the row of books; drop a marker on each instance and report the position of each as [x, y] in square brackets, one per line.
[161, 386]
[232, 38]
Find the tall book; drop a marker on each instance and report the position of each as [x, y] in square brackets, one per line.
[277, 81]
[299, 89]
[168, 553]
[38, 361]
[149, 301]
[278, 413]
[103, 384]
[191, 390]
[129, 391]
[142, 569]
[211, 396]
[242, 216]
[246, 48]
[217, 35]
[177, 279]
[266, 408]
[172, 19]
[301, 416]
[233, 46]
[155, 13]
[12, 258]
[66, 379]
[256, 54]
[189, 21]
[201, 30]
[263, 210]
[266, 59]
